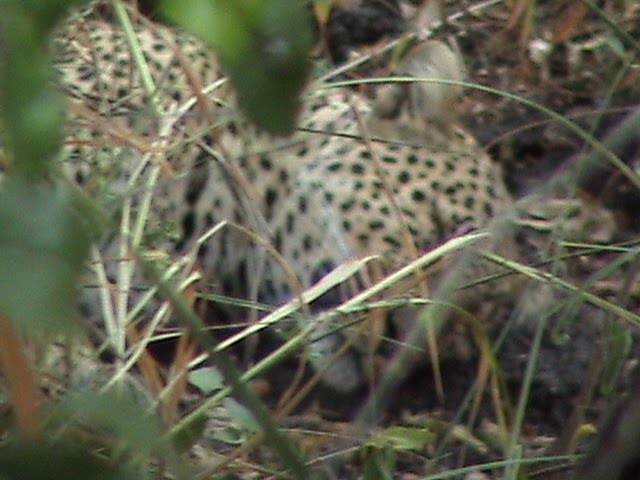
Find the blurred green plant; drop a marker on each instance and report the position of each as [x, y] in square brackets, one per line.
[263, 47]
[43, 241]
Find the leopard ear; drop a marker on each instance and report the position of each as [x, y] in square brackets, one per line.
[431, 63]
[435, 58]
[428, 15]
[389, 100]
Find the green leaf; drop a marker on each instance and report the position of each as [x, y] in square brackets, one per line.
[403, 438]
[45, 15]
[120, 413]
[33, 111]
[379, 463]
[207, 379]
[263, 46]
[56, 461]
[230, 435]
[43, 245]
[129, 435]
[190, 433]
[242, 415]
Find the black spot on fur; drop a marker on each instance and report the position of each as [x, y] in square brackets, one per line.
[347, 205]
[277, 241]
[488, 209]
[342, 151]
[392, 241]
[376, 225]
[418, 196]
[290, 223]
[270, 198]
[357, 169]
[188, 227]
[265, 163]
[307, 243]
[197, 181]
[302, 204]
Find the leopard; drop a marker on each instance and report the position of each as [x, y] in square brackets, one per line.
[386, 174]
